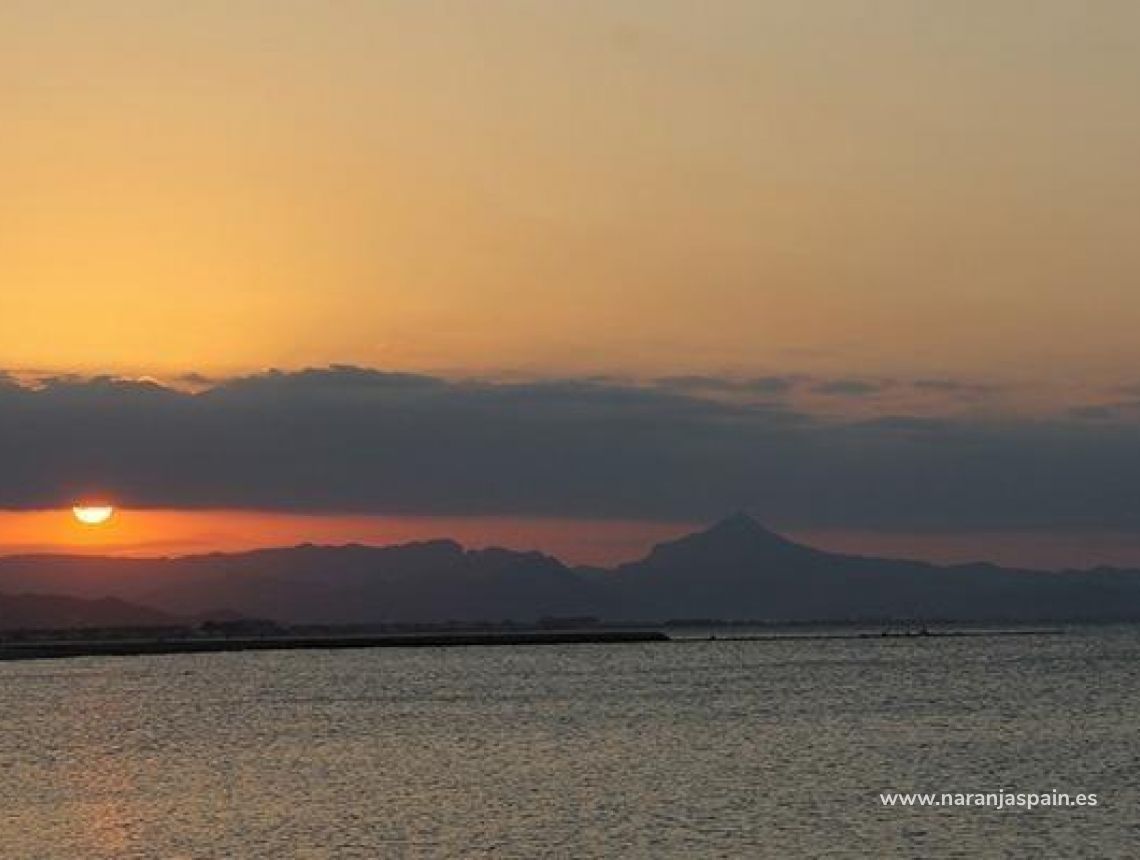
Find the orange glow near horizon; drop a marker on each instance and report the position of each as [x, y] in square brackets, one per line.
[150, 533]
[180, 532]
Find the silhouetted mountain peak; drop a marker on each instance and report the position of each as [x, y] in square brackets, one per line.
[736, 537]
[740, 524]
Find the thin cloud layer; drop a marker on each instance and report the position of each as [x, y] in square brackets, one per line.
[849, 387]
[354, 439]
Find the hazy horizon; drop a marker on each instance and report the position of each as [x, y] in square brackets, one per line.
[600, 543]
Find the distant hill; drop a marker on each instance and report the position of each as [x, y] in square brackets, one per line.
[42, 611]
[737, 569]
[429, 581]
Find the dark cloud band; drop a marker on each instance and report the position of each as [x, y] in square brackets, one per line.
[352, 439]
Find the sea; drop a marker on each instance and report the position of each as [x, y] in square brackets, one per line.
[701, 747]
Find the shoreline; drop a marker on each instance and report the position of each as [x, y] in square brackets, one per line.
[59, 649]
[49, 649]
[869, 636]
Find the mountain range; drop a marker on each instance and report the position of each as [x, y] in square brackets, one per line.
[735, 570]
[48, 611]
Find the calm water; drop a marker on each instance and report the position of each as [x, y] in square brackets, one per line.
[705, 749]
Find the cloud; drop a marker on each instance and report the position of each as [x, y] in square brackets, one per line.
[1105, 411]
[760, 385]
[353, 439]
[849, 387]
[946, 390]
[955, 388]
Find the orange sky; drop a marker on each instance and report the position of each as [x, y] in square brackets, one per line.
[144, 533]
[641, 187]
[168, 532]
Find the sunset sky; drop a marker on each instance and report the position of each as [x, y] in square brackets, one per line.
[572, 275]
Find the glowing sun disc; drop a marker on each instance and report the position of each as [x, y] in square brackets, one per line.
[93, 515]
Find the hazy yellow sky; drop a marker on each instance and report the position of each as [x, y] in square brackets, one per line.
[885, 186]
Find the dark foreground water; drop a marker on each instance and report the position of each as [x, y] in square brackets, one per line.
[687, 750]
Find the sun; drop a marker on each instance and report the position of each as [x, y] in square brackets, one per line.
[93, 515]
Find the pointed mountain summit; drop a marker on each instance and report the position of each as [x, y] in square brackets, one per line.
[743, 529]
[736, 539]
[739, 523]
[736, 568]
